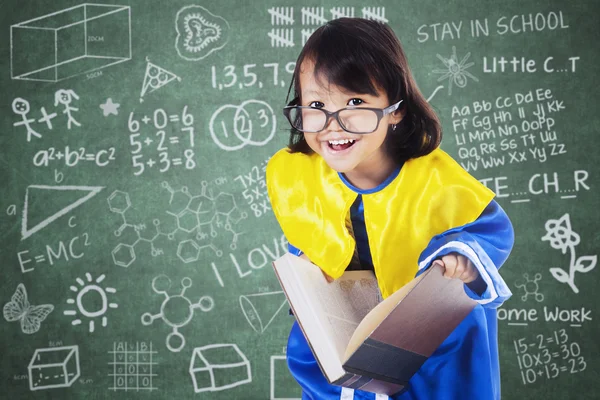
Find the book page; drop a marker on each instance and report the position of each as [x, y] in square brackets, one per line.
[375, 316]
[347, 300]
[328, 313]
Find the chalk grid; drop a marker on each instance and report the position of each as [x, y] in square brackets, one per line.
[132, 369]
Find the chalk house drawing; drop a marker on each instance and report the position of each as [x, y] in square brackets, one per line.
[176, 311]
[219, 367]
[70, 42]
[30, 316]
[199, 33]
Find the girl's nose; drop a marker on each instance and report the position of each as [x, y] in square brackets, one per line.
[333, 125]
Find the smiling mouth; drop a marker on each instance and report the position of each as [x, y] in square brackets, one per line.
[339, 145]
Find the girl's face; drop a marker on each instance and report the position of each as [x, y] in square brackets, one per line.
[364, 153]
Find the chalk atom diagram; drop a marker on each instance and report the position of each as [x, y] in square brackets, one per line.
[70, 42]
[176, 311]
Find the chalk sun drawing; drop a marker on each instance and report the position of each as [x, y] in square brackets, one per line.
[85, 291]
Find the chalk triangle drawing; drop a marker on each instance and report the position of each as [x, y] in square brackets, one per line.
[155, 78]
[89, 192]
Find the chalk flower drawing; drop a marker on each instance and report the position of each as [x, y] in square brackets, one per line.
[561, 237]
[455, 71]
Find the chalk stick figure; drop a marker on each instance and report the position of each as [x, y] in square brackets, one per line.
[20, 107]
[65, 97]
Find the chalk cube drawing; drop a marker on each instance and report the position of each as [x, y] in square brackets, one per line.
[70, 42]
[54, 367]
[218, 367]
[283, 385]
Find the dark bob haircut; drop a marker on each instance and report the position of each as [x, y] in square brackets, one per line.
[360, 55]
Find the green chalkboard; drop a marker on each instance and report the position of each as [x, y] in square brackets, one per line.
[137, 237]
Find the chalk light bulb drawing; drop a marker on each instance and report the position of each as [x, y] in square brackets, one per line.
[87, 290]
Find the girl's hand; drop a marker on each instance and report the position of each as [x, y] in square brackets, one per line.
[458, 266]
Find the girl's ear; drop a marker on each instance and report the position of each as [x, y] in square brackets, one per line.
[397, 116]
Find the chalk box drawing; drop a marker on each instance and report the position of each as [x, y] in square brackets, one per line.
[70, 42]
[54, 367]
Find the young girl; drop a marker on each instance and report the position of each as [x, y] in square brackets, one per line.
[364, 185]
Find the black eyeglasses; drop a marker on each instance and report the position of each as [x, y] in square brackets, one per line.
[351, 119]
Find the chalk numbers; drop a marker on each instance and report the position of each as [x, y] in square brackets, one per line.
[548, 356]
[247, 76]
[164, 142]
[254, 191]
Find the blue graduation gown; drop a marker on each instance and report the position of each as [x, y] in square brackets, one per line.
[466, 364]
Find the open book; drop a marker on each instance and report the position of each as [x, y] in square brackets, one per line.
[362, 342]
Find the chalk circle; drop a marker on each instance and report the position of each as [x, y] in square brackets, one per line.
[248, 119]
[260, 116]
[178, 335]
[101, 292]
[206, 303]
[161, 284]
[223, 128]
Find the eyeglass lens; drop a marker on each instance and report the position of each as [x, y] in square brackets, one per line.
[353, 120]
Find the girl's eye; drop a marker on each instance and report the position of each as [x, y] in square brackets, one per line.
[355, 102]
[316, 104]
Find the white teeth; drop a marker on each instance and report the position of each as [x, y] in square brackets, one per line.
[343, 141]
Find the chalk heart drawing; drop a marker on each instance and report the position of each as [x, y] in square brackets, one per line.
[199, 33]
[90, 289]
[19, 309]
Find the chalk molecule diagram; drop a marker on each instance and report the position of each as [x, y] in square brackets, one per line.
[176, 310]
[204, 214]
[531, 287]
